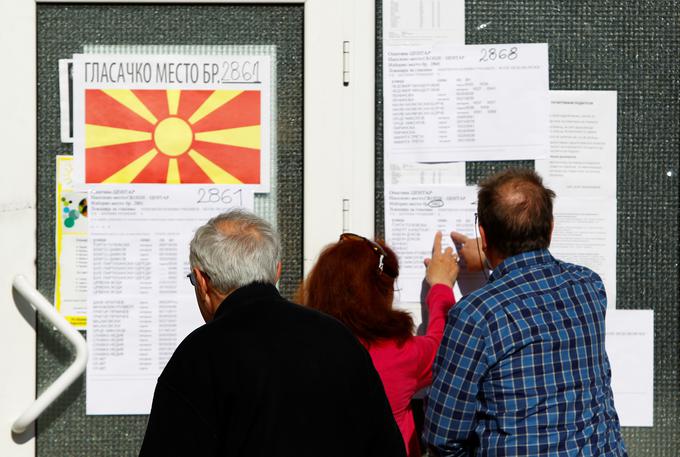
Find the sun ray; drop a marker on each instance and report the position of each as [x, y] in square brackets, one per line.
[99, 135]
[214, 172]
[245, 137]
[126, 174]
[128, 99]
[173, 101]
[216, 99]
[242, 163]
[173, 172]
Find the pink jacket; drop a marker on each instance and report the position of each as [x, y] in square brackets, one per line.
[406, 369]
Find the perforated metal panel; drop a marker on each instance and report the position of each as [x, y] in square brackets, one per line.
[632, 47]
[65, 29]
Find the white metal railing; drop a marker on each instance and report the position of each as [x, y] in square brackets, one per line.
[45, 308]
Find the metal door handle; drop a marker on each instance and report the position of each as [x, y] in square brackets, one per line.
[72, 373]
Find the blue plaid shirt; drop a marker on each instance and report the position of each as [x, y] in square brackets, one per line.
[522, 368]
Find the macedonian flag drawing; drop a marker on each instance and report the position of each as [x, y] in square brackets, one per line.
[172, 136]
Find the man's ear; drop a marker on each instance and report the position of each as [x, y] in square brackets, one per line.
[552, 227]
[201, 282]
[204, 295]
[482, 235]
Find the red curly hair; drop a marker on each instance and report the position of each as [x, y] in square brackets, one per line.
[347, 284]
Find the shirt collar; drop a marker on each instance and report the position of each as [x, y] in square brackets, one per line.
[245, 295]
[523, 260]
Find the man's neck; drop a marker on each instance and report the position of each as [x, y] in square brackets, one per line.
[493, 259]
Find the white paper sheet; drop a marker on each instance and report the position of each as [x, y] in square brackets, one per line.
[412, 217]
[582, 158]
[630, 347]
[407, 174]
[457, 103]
[71, 229]
[65, 118]
[172, 119]
[585, 234]
[410, 21]
[140, 303]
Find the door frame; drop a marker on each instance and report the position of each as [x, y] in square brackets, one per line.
[17, 218]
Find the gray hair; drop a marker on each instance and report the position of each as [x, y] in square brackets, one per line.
[235, 249]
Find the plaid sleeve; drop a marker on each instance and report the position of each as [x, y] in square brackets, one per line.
[458, 368]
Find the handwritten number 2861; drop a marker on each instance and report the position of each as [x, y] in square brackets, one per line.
[491, 54]
[215, 195]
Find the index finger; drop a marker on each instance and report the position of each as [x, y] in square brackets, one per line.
[437, 247]
[459, 237]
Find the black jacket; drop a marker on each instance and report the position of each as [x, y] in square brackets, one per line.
[270, 378]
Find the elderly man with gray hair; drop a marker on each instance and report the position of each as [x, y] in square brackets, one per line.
[263, 376]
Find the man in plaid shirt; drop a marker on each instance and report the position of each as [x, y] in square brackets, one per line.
[522, 369]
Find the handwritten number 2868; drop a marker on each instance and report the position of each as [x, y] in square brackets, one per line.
[491, 54]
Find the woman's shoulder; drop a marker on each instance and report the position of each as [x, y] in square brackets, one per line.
[386, 349]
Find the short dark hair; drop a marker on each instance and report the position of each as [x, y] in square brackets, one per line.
[515, 210]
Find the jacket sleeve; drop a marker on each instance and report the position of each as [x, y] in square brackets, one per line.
[176, 428]
[439, 300]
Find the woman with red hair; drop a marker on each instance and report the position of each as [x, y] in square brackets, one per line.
[354, 280]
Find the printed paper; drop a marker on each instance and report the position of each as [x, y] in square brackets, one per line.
[582, 158]
[585, 234]
[140, 303]
[71, 220]
[427, 174]
[412, 217]
[630, 347]
[411, 21]
[152, 119]
[448, 103]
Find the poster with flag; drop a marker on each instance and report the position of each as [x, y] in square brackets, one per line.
[141, 119]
